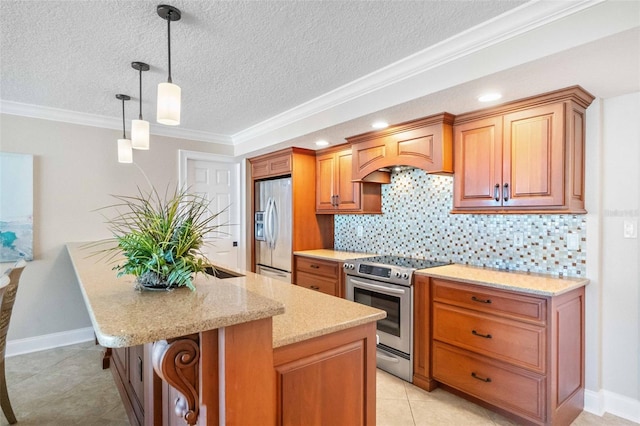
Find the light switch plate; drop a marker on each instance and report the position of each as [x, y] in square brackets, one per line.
[518, 239]
[631, 228]
[360, 231]
[573, 242]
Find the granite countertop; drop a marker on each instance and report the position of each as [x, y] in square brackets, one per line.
[329, 254]
[122, 316]
[537, 284]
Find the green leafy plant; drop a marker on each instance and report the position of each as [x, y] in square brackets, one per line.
[161, 239]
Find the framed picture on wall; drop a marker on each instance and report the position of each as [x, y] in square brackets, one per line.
[16, 207]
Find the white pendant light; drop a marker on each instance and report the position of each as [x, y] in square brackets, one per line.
[140, 127]
[168, 106]
[125, 153]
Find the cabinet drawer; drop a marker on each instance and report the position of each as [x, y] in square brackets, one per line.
[496, 302]
[317, 283]
[496, 383]
[518, 343]
[318, 267]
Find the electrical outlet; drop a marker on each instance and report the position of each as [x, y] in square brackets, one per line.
[518, 239]
[631, 228]
[360, 231]
[573, 242]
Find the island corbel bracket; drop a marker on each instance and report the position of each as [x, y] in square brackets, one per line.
[177, 362]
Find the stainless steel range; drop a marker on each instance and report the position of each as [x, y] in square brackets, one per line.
[386, 282]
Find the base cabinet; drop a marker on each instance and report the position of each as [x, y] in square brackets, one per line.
[325, 276]
[328, 380]
[520, 354]
[128, 369]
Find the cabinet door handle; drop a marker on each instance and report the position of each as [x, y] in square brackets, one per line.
[482, 379]
[337, 200]
[505, 192]
[314, 287]
[475, 333]
[140, 369]
[475, 299]
[496, 192]
[314, 266]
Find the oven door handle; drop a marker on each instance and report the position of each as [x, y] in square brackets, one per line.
[379, 288]
[387, 358]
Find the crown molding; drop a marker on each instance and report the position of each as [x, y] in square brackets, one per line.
[520, 20]
[94, 120]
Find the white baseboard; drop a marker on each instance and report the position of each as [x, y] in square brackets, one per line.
[48, 341]
[606, 401]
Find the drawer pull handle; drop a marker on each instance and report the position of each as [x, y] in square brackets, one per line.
[314, 266]
[482, 379]
[475, 333]
[475, 299]
[314, 287]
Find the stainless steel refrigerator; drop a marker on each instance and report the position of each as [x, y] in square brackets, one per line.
[273, 225]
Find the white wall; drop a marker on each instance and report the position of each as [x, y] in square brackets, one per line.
[75, 170]
[613, 299]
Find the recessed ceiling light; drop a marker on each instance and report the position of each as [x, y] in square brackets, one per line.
[322, 143]
[380, 125]
[488, 97]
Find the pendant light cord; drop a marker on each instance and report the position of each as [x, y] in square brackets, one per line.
[169, 44]
[124, 135]
[140, 98]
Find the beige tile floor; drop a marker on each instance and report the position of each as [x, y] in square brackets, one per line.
[66, 386]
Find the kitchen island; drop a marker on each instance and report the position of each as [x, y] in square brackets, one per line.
[243, 350]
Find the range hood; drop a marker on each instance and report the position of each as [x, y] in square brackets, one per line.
[425, 143]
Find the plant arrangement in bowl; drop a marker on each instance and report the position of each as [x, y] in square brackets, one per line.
[161, 238]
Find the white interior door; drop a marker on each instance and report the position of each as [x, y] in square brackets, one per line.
[219, 182]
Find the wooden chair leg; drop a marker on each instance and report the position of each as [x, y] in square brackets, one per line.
[4, 397]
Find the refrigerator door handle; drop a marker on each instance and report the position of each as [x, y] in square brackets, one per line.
[267, 238]
[275, 230]
[270, 240]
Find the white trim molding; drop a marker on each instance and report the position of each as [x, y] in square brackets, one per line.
[101, 121]
[48, 341]
[605, 401]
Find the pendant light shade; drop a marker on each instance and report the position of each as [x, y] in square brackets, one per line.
[168, 93]
[169, 104]
[140, 127]
[125, 152]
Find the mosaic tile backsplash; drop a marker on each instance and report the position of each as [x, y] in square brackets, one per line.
[416, 223]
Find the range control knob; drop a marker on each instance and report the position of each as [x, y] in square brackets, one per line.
[352, 266]
[405, 276]
[398, 274]
[345, 266]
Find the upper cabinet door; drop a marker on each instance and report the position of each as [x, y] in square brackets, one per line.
[325, 172]
[348, 191]
[533, 167]
[478, 160]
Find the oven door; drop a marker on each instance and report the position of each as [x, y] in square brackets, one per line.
[394, 331]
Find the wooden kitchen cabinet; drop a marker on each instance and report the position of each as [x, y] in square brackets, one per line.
[328, 380]
[522, 157]
[309, 230]
[422, 333]
[321, 275]
[272, 165]
[128, 369]
[425, 143]
[336, 192]
[520, 354]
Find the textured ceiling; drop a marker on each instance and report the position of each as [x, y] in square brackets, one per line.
[238, 62]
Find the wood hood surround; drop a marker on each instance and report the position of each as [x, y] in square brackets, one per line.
[425, 143]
